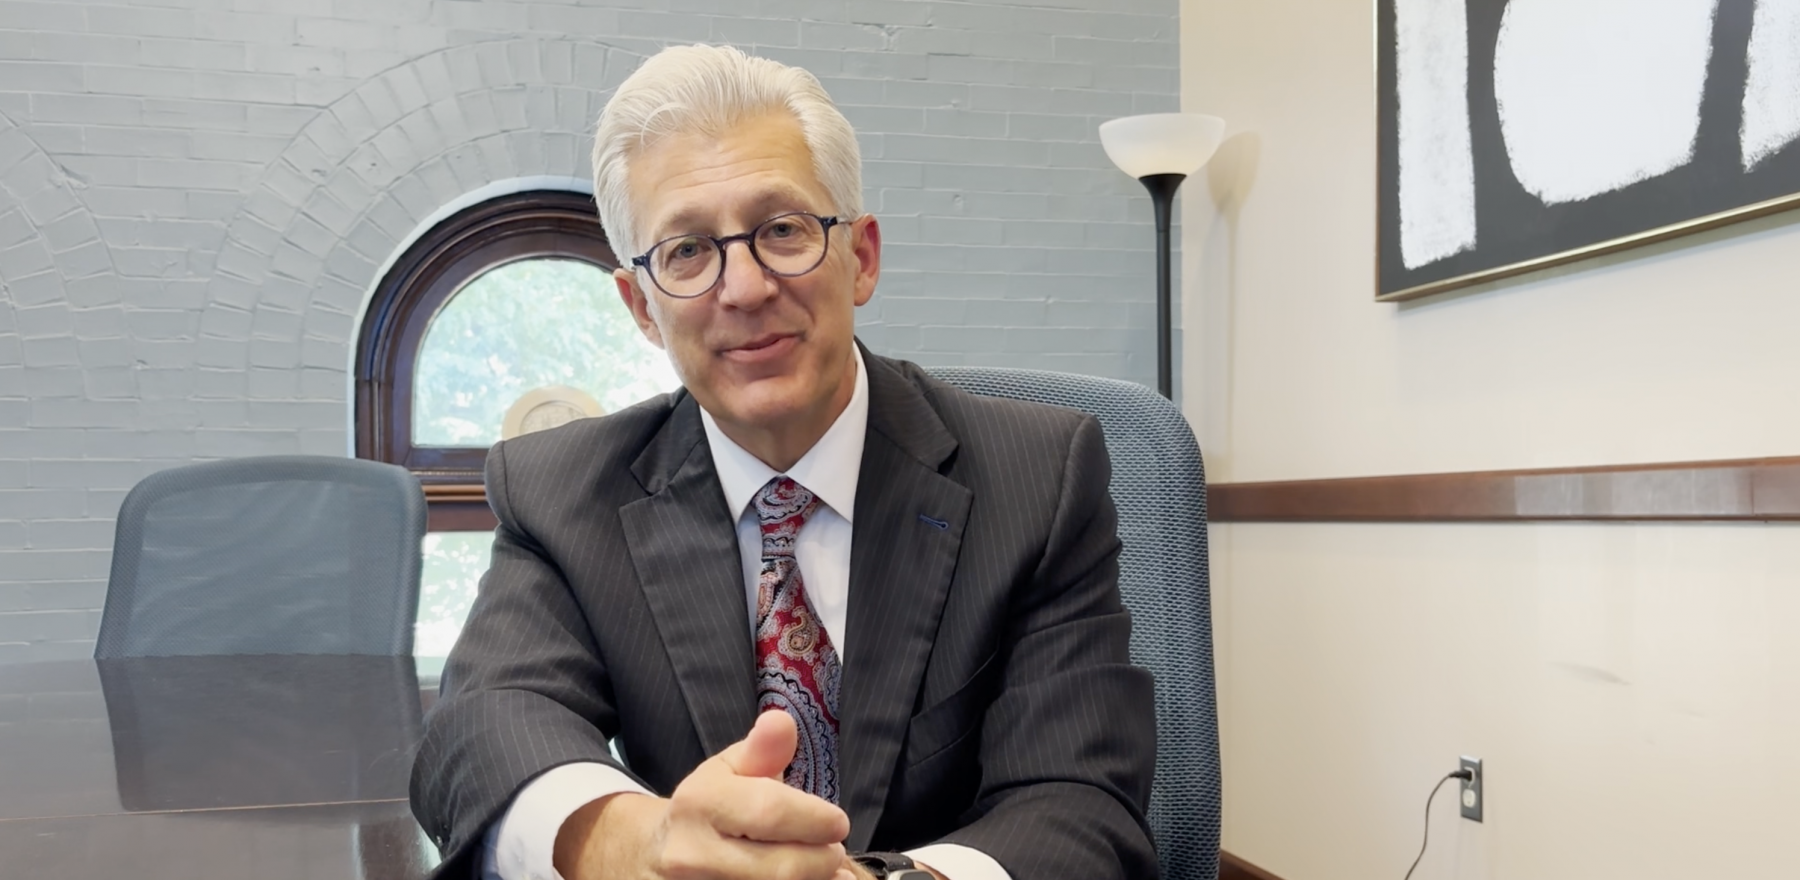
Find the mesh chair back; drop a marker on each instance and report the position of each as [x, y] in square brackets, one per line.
[1159, 487]
[272, 555]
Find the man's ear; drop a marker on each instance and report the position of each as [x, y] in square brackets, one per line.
[637, 300]
[865, 245]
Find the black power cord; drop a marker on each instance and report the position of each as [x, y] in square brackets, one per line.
[1464, 775]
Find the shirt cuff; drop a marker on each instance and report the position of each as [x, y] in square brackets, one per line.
[957, 862]
[522, 845]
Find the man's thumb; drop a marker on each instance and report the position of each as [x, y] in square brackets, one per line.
[768, 750]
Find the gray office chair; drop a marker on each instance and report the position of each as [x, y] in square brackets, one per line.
[287, 554]
[1159, 487]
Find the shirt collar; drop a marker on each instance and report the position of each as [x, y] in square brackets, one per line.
[829, 469]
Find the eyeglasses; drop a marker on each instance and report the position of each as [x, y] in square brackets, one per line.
[788, 245]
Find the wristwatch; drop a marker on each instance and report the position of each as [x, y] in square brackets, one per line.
[890, 866]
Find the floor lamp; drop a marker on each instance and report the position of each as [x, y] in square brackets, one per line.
[1160, 150]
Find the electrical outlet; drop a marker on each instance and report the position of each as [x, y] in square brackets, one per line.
[1472, 792]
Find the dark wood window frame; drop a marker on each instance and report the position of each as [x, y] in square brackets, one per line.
[521, 226]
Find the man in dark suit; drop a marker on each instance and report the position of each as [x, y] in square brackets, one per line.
[923, 580]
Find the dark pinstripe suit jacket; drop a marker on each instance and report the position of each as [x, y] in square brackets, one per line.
[987, 700]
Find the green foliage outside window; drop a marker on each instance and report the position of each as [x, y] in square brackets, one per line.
[454, 564]
[521, 326]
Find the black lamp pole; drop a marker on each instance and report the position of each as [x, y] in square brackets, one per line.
[1162, 189]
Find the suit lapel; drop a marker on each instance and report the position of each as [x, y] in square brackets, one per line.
[683, 543]
[909, 526]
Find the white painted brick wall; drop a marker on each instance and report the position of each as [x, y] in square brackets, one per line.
[195, 195]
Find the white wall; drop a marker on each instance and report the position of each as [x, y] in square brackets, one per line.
[1635, 689]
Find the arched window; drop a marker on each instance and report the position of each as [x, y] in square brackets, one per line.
[500, 320]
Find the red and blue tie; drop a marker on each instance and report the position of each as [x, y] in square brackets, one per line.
[797, 668]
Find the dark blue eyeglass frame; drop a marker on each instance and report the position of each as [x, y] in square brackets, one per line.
[642, 261]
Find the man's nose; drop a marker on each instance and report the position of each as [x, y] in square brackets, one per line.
[745, 285]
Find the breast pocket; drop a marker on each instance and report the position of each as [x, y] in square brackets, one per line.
[948, 721]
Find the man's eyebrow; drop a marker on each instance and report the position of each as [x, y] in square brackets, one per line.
[682, 222]
[691, 218]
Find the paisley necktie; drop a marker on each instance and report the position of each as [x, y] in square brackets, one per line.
[797, 668]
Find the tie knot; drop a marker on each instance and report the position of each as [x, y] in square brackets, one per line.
[783, 506]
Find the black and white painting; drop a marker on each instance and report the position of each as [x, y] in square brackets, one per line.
[1517, 134]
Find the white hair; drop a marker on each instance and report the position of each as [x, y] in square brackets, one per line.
[705, 90]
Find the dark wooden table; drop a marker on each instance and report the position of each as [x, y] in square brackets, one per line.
[210, 767]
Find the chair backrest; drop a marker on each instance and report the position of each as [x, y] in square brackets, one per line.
[270, 555]
[1159, 487]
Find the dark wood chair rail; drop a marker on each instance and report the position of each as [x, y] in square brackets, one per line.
[1759, 489]
[1233, 868]
[1753, 490]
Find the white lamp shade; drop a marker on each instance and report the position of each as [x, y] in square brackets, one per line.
[1161, 143]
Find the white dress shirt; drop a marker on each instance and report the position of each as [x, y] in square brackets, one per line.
[521, 845]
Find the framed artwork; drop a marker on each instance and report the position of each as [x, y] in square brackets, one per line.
[1519, 134]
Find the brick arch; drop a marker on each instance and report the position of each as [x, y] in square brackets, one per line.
[360, 177]
[55, 258]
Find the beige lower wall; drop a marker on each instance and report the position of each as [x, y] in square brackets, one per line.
[1635, 689]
